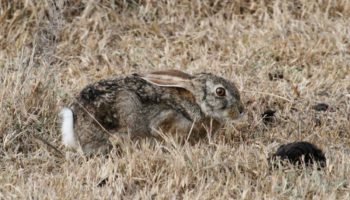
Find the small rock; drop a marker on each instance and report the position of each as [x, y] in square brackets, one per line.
[301, 152]
[268, 116]
[276, 75]
[320, 107]
[317, 121]
[103, 182]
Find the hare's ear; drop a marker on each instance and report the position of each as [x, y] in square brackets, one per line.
[170, 78]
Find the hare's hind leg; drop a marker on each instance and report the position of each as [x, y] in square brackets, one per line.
[132, 116]
[170, 121]
[93, 141]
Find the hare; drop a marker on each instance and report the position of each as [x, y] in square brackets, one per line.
[143, 104]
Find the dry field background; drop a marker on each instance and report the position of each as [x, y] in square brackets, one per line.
[49, 50]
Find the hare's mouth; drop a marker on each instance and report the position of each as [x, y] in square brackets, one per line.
[233, 114]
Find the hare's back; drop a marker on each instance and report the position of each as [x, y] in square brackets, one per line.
[119, 103]
[106, 91]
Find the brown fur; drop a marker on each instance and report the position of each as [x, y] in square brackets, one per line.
[137, 106]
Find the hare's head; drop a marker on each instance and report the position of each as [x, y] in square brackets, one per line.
[217, 97]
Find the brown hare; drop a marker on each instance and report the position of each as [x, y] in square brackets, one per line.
[141, 105]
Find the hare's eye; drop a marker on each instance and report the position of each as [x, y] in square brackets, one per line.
[220, 91]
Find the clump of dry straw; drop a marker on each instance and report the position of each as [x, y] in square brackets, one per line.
[49, 50]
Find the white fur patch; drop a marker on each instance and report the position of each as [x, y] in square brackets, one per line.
[67, 131]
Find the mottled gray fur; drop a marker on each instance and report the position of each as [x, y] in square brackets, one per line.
[140, 105]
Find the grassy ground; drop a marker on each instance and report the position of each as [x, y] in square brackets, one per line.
[49, 51]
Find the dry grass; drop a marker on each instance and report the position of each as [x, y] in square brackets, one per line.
[49, 51]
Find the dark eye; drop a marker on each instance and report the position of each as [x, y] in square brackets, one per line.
[220, 91]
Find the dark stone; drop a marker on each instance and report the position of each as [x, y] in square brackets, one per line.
[268, 116]
[317, 121]
[276, 75]
[103, 182]
[320, 107]
[301, 152]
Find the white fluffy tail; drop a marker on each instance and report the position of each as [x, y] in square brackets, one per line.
[67, 131]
